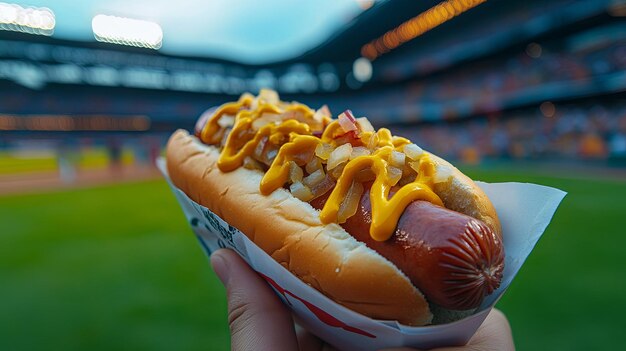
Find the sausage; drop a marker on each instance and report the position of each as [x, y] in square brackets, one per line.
[453, 259]
[203, 120]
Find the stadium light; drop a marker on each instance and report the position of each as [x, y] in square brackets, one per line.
[362, 69]
[417, 26]
[29, 20]
[127, 31]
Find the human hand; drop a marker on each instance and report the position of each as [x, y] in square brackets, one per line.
[493, 335]
[258, 320]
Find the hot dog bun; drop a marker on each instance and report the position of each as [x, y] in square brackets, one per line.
[324, 256]
[459, 193]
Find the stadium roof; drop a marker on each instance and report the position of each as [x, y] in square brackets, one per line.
[248, 32]
[245, 31]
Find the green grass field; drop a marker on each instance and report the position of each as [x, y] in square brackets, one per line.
[117, 268]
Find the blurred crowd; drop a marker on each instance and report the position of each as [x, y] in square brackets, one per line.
[522, 106]
[539, 73]
[592, 132]
[517, 22]
[533, 68]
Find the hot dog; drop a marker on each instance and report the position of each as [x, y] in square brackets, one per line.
[367, 218]
[438, 238]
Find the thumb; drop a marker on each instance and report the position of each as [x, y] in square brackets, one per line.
[257, 318]
[493, 334]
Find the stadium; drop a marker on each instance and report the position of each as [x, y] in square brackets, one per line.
[94, 250]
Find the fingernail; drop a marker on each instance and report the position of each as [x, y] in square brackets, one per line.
[219, 266]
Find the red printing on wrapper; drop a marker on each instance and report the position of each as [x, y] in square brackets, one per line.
[318, 312]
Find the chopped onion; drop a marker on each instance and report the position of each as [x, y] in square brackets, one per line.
[347, 121]
[364, 124]
[265, 119]
[225, 133]
[270, 96]
[359, 151]
[350, 137]
[226, 121]
[271, 154]
[351, 202]
[260, 147]
[313, 165]
[413, 151]
[339, 155]
[373, 142]
[266, 153]
[408, 175]
[349, 115]
[246, 95]
[442, 174]
[394, 174]
[304, 157]
[415, 165]
[396, 159]
[323, 187]
[301, 191]
[323, 151]
[250, 163]
[254, 104]
[321, 113]
[295, 172]
[336, 172]
[314, 178]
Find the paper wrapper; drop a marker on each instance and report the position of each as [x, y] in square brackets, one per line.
[524, 211]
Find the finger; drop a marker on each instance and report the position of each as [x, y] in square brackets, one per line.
[493, 334]
[257, 318]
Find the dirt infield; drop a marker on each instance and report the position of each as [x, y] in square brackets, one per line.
[52, 180]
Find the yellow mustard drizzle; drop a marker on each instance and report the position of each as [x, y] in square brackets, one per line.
[231, 158]
[384, 138]
[331, 131]
[278, 173]
[300, 107]
[232, 108]
[385, 211]
[237, 109]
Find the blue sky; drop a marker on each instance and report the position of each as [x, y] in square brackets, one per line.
[251, 31]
